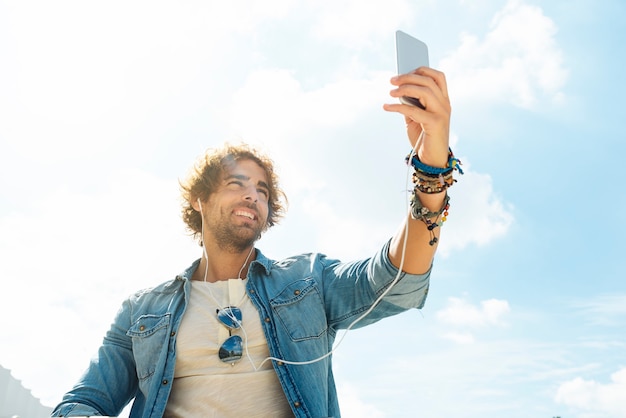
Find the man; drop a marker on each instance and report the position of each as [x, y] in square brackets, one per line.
[238, 334]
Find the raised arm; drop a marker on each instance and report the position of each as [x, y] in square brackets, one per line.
[428, 131]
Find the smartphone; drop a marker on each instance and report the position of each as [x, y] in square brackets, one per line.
[411, 53]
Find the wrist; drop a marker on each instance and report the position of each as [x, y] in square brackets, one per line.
[441, 161]
[429, 200]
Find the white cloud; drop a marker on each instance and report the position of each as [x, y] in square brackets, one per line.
[84, 73]
[518, 61]
[70, 262]
[477, 214]
[352, 406]
[605, 310]
[272, 106]
[356, 23]
[459, 337]
[343, 235]
[463, 313]
[596, 399]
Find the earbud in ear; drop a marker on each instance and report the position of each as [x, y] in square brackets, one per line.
[199, 204]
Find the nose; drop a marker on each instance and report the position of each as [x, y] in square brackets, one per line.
[251, 194]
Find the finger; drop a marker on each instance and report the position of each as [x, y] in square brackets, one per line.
[437, 76]
[411, 113]
[432, 101]
[426, 77]
[433, 123]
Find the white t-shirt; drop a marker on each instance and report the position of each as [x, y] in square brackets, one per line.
[204, 386]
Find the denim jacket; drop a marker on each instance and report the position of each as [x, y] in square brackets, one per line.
[302, 301]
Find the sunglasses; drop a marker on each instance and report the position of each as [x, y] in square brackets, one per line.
[231, 350]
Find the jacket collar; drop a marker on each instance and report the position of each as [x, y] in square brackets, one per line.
[263, 261]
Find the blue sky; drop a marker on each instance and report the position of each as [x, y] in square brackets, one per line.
[104, 106]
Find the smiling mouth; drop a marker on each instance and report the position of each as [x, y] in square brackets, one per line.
[245, 214]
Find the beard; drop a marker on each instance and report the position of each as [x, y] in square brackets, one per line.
[230, 237]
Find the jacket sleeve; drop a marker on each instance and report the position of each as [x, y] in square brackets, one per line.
[110, 381]
[351, 288]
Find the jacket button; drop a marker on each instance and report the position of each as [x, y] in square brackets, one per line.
[280, 363]
[297, 292]
[296, 404]
[173, 333]
[251, 290]
[164, 381]
[142, 327]
[268, 320]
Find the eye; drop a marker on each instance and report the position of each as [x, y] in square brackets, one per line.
[234, 184]
[264, 192]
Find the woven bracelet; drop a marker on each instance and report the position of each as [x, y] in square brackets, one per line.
[427, 169]
[453, 164]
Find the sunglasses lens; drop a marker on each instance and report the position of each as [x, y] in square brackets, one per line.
[232, 349]
[230, 317]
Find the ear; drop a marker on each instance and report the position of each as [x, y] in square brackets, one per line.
[196, 205]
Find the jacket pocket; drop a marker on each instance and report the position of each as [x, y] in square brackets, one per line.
[149, 334]
[300, 310]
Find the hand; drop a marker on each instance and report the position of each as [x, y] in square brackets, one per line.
[429, 86]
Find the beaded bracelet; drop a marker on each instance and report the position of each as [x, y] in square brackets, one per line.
[429, 188]
[432, 184]
[421, 213]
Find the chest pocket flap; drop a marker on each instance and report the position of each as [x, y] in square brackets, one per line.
[300, 309]
[147, 325]
[150, 338]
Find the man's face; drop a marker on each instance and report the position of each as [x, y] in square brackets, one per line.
[236, 214]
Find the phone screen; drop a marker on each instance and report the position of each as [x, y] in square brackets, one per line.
[411, 53]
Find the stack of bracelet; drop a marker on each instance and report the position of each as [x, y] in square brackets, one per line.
[430, 180]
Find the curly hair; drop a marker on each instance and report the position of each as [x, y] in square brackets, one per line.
[207, 173]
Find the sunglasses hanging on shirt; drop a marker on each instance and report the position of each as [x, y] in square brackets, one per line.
[231, 350]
